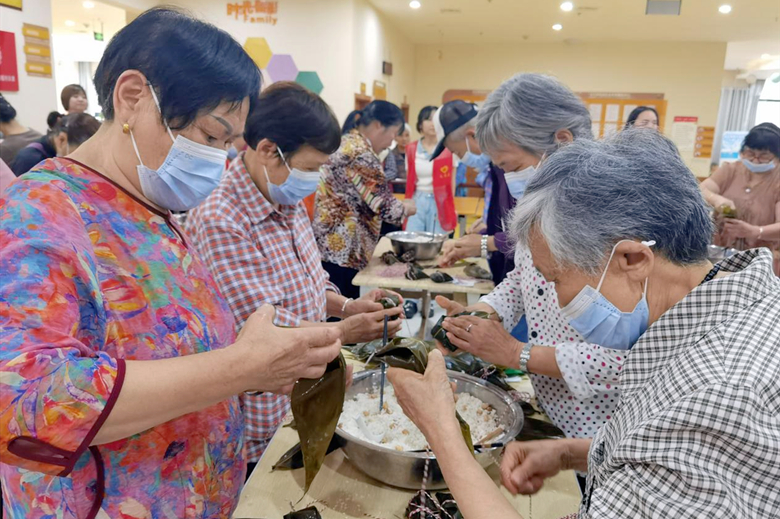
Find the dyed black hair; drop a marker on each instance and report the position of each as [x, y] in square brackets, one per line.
[291, 116]
[632, 117]
[70, 91]
[385, 112]
[424, 115]
[193, 66]
[763, 137]
[52, 119]
[7, 112]
[78, 127]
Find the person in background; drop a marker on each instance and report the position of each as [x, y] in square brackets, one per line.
[14, 135]
[455, 124]
[256, 239]
[52, 119]
[643, 117]
[120, 366]
[746, 194]
[69, 133]
[354, 197]
[6, 177]
[695, 432]
[74, 99]
[397, 159]
[430, 183]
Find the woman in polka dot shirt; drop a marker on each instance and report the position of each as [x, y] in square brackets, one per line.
[526, 118]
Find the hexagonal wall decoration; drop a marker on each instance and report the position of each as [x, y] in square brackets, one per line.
[259, 50]
[310, 80]
[282, 68]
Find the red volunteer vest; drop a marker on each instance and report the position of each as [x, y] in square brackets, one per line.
[442, 184]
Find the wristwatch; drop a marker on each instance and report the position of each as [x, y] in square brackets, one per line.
[483, 247]
[525, 356]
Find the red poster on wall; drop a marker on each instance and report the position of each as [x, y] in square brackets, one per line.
[9, 73]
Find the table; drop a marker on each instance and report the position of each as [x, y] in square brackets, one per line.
[341, 491]
[372, 276]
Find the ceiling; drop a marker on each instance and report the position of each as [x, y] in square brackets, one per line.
[111, 19]
[493, 21]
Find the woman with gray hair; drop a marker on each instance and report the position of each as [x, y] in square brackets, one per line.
[523, 121]
[696, 432]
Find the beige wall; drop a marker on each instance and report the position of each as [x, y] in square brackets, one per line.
[690, 75]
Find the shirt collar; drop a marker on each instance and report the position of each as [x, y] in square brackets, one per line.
[249, 197]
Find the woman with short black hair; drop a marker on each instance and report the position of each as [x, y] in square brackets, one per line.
[354, 197]
[119, 360]
[643, 117]
[746, 194]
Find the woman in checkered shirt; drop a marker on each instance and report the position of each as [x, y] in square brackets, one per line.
[696, 430]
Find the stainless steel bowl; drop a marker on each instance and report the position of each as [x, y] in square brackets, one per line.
[405, 469]
[403, 241]
[716, 253]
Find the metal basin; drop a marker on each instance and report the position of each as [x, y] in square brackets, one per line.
[405, 469]
[428, 249]
[716, 253]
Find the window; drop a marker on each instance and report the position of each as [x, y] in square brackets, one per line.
[768, 110]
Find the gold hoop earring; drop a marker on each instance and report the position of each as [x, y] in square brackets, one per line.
[125, 128]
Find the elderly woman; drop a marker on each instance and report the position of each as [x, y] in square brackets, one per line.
[354, 197]
[642, 117]
[695, 433]
[746, 194]
[119, 362]
[255, 236]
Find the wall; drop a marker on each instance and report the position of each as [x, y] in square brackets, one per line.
[689, 74]
[36, 96]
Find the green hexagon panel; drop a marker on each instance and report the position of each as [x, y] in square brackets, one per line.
[259, 50]
[310, 80]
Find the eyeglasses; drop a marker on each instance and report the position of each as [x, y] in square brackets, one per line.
[761, 157]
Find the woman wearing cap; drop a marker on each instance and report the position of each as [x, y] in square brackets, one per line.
[746, 194]
[430, 182]
[119, 361]
[354, 197]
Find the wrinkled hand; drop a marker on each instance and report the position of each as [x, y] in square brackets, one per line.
[477, 227]
[733, 228]
[370, 302]
[410, 207]
[369, 326]
[283, 355]
[450, 307]
[468, 246]
[427, 399]
[526, 465]
[484, 338]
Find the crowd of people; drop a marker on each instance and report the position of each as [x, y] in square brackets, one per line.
[145, 365]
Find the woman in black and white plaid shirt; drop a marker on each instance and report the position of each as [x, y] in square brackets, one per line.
[697, 430]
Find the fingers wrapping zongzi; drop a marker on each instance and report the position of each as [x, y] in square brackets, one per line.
[440, 334]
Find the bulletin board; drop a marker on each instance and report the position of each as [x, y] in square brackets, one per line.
[609, 111]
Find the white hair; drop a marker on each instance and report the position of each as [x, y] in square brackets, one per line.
[527, 110]
[589, 195]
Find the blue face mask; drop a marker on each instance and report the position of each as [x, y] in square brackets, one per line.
[759, 168]
[516, 181]
[190, 172]
[478, 162]
[299, 185]
[600, 322]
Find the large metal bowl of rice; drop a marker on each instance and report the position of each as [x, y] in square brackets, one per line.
[404, 468]
[426, 245]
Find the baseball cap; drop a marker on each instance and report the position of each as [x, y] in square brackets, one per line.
[448, 118]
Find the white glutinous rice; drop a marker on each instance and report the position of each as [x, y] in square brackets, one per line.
[397, 432]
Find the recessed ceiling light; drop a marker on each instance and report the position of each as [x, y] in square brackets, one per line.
[70, 23]
[725, 9]
[567, 6]
[557, 27]
[415, 4]
[88, 4]
[766, 56]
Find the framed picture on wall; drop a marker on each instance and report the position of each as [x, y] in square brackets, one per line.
[13, 4]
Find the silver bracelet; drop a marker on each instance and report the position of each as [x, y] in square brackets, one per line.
[344, 306]
[525, 356]
[483, 246]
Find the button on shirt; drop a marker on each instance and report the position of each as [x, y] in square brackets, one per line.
[260, 255]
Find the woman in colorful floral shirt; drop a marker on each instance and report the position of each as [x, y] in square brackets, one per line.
[119, 364]
[354, 197]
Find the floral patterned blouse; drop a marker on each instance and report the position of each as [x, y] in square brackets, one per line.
[89, 278]
[352, 201]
